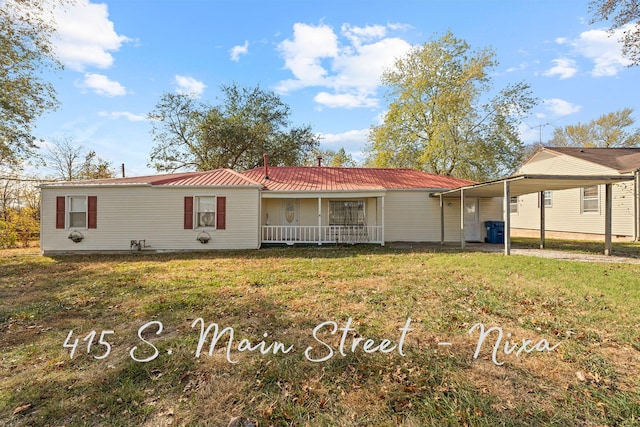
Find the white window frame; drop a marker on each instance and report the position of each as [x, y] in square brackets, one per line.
[547, 199]
[68, 212]
[513, 205]
[357, 201]
[584, 199]
[197, 211]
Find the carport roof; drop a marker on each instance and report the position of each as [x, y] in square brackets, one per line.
[525, 184]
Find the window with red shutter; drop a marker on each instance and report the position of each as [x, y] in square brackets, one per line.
[92, 202]
[188, 213]
[221, 213]
[60, 212]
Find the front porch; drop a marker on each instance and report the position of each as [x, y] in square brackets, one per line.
[322, 219]
[292, 234]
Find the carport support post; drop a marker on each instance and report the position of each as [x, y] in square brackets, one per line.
[441, 220]
[462, 241]
[507, 218]
[542, 224]
[607, 218]
[636, 193]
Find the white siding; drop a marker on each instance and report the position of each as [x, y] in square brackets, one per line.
[553, 164]
[153, 214]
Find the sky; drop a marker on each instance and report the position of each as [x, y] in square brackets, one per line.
[323, 58]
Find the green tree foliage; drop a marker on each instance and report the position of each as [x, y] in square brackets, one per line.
[443, 117]
[623, 14]
[70, 162]
[250, 122]
[25, 50]
[334, 159]
[608, 131]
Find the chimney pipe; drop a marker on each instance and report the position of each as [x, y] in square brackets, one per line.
[123, 170]
[319, 161]
[266, 166]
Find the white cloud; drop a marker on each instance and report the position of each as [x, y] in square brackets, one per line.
[564, 68]
[604, 49]
[85, 36]
[560, 107]
[189, 86]
[350, 70]
[354, 138]
[236, 51]
[345, 100]
[101, 85]
[123, 114]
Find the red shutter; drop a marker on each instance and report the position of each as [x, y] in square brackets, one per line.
[92, 203]
[188, 213]
[60, 212]
[221, 213]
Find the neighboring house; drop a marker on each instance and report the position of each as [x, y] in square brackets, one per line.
[579, 212]
[223, 209]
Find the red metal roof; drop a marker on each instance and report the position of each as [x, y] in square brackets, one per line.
[215, 178]
[349, 179]
[292, 179]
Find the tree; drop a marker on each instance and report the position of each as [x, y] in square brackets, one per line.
[25, 50]
[334, 159]
[70, 162]
[442, 118]
[625, 15]
[249, 123]
[608, 131]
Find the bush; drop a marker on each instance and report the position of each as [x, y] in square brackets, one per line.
[8, 237]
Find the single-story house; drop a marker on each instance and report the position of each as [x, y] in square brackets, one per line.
[224, 209]
[579, 213]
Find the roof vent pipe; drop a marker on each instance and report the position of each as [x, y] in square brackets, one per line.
[266, 166]
[319, 161]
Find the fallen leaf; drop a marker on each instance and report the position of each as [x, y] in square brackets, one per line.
[21, 408]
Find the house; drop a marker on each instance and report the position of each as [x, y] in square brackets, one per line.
[224, 209]
[579, 213]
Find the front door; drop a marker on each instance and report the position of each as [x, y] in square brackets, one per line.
[290, 212]
[472, 220]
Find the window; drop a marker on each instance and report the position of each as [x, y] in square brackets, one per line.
[77, 212]
[590, 199]
[347, 212]
[548, 199]
[513, 205]
[206, 212]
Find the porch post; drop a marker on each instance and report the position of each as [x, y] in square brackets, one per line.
[607, 218]
[542, 220]
[441, 220]
[462, 240]
[319, 221]
[382, 216]
[636, 204]
[507, 218]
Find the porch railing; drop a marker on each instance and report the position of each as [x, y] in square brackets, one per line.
[292, 234]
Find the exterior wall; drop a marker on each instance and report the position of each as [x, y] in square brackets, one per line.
[307, 210]
[565, 216]
[565, 213]
[153, 214]
[545, 163]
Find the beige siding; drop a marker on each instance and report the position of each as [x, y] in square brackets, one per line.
[154, 215]
[553, 164]
[565, 213]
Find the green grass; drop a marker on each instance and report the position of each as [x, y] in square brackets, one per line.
[593, 310]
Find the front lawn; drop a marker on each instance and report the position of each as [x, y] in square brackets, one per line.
[287, 301]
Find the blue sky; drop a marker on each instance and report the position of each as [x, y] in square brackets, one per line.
[323, 58]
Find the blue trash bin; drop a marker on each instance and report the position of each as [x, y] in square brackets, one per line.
[495, 231]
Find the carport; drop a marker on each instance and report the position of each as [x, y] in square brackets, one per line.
[518, 185]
